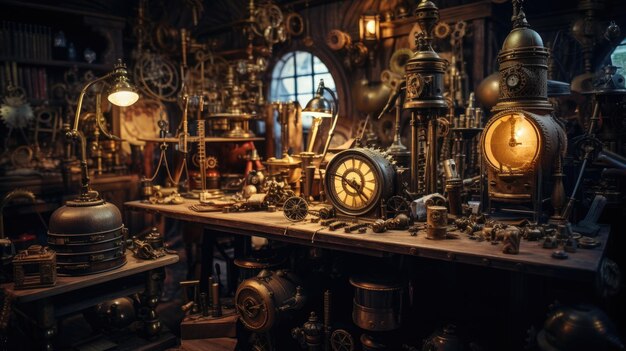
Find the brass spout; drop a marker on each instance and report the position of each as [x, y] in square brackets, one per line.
[15, 194]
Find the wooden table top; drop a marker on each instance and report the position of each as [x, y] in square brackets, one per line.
[65, 284]
[581, 265]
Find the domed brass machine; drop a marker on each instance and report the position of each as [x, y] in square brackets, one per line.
[522, 144]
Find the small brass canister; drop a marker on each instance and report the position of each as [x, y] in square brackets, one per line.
[436, 222]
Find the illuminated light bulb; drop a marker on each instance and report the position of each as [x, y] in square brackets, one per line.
[370, 27]
[123, 98]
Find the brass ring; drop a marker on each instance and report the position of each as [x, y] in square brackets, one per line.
[294, 24]
[442, 30]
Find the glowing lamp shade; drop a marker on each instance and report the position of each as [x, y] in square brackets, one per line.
[512, 143]
[122, 93]
[123, 98]
[319, 106]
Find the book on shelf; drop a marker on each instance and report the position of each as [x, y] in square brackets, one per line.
[25, 41]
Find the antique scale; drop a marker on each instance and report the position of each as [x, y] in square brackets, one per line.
[523, 142]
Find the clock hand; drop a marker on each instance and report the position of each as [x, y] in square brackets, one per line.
[351, 182]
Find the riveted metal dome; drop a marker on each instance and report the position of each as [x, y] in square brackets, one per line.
[522, 37]
[523, 71]
[82, 218]
[88, 236]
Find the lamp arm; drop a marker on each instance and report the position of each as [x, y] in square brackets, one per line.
[85, 191]
[85, 187]
[100, 120]
[79, 106]
[331, 131]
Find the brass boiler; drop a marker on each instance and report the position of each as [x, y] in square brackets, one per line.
[262, 301]
[88, 236]
[377, 302]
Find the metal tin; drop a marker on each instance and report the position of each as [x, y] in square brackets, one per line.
[377, 302]
[436, 222]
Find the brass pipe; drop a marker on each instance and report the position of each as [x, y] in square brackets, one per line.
[414, 152]
[432, 159]
[217, 306]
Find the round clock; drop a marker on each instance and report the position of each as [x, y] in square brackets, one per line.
[512, 142]
[358, 179]
[512, 80]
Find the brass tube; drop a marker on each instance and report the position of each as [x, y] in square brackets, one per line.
[414, 153]
[217, 307]
[431, 160]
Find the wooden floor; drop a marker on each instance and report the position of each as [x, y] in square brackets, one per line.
[581, 265]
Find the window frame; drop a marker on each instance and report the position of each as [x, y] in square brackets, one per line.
[289, 58]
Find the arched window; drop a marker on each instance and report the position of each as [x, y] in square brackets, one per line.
[295, 78]
[618, 57]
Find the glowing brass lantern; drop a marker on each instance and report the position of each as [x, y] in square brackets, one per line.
[512, 143]
[369, 32]
[522, 143]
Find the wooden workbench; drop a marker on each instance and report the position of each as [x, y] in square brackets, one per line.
[581, 265]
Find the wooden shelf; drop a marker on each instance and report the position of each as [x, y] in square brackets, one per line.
[58, 63]
[67, 284]
[581, 265]
[193, 139]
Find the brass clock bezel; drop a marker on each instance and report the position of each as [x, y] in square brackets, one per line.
[492, 160]
[380, 167]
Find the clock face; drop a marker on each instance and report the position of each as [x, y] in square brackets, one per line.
[512, 143]
[356, 181]
[512, 80]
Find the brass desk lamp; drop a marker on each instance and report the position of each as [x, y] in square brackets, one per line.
[319, 107]
[121, 93]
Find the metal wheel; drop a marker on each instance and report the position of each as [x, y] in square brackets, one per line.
[295, 209]
[158, 77]
[341, 340]
[397, 204]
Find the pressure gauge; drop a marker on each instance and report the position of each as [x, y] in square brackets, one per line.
[512, 80]
[358, 179]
